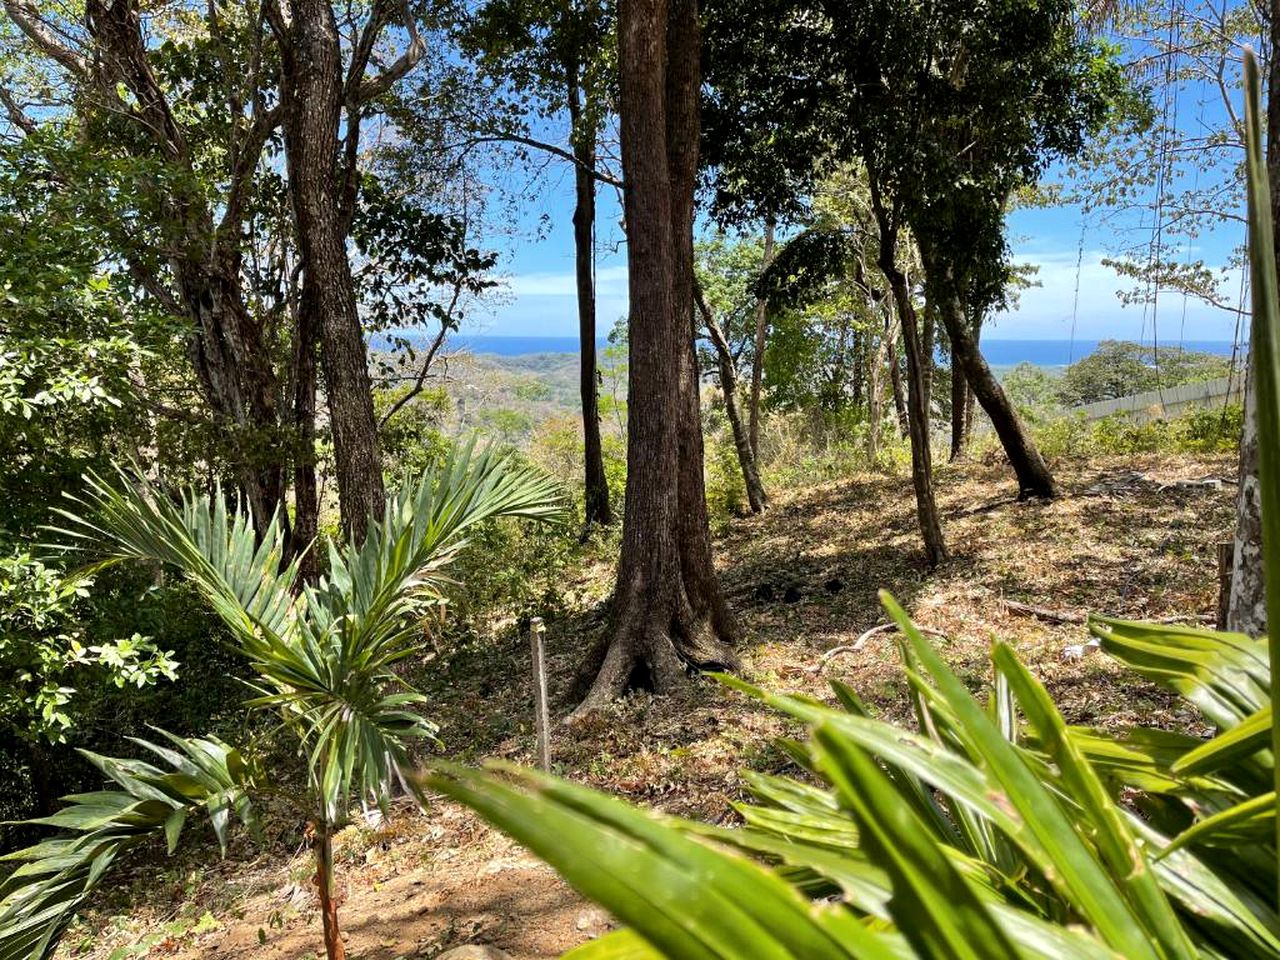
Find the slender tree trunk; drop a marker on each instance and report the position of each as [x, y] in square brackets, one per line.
[935, 548]
[757, 358]
[859, 367]
[311, 94]
[322, 844]
[1247, 603]
[899, 389]
[1034, 478]
[959, 408]
[584, 218]
[667, 605]
[756, 498]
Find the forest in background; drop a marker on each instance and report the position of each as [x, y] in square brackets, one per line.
[239, 546]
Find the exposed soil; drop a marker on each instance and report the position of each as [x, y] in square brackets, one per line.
[1132, 537]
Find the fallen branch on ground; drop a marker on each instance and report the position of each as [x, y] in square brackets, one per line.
[861, 642]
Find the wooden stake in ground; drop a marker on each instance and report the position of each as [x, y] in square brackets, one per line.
[541, 720]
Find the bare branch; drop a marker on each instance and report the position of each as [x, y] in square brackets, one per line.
[550, 148]
[29, 21]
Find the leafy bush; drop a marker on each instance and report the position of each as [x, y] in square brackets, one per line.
[1209, 430]
[323, 658]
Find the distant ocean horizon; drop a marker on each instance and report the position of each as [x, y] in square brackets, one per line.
[999, 353]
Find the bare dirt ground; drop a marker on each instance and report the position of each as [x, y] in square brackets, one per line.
[1132, 537]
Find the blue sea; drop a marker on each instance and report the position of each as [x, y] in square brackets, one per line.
[999, 353]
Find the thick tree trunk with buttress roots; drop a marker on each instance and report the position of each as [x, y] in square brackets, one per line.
[1034, 478]
[756, 498]
[584, 218]
[311, 94]
[668, 610]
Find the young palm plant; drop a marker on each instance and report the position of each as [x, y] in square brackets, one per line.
[995, 831]
[322, 656]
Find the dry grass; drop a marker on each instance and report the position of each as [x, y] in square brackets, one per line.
[1127, 538]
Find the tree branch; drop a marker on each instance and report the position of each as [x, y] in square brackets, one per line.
[28, 19]
[550, 148]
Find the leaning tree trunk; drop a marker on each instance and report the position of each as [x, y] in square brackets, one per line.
[311, 95]
[756, 498]
[757, 357]
[667, 606]
[322, 848]
[584, 219]
[1034, 478]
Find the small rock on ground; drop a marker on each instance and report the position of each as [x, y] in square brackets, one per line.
[474, 951]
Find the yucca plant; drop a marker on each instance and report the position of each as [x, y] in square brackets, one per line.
[322, 656]
[994, 830]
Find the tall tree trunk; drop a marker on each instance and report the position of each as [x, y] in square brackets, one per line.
[713, 626]
[311, 94]
[935, 547]
[306, 502]
[667, 606]
[1034, 478]
[899, 389]
[757, 357]
[236, 376]
[584, 219]
[1247, 603]
[756, 498]
[959, 409]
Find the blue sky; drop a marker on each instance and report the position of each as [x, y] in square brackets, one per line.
[539, 297]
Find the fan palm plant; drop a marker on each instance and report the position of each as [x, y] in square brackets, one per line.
[995, 831]
[323, 656]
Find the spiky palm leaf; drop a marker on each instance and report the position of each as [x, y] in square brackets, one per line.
[40, 897]
[323, 655]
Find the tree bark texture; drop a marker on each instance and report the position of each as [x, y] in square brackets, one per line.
[756, 498]
[761, 343]
[312, 98]
[1247, 604]
[306, 497]
[668, 610]
[597, 509]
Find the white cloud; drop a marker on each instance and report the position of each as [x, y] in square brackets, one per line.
[1047, 312]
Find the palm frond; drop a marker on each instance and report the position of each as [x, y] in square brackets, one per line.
[40, 897]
